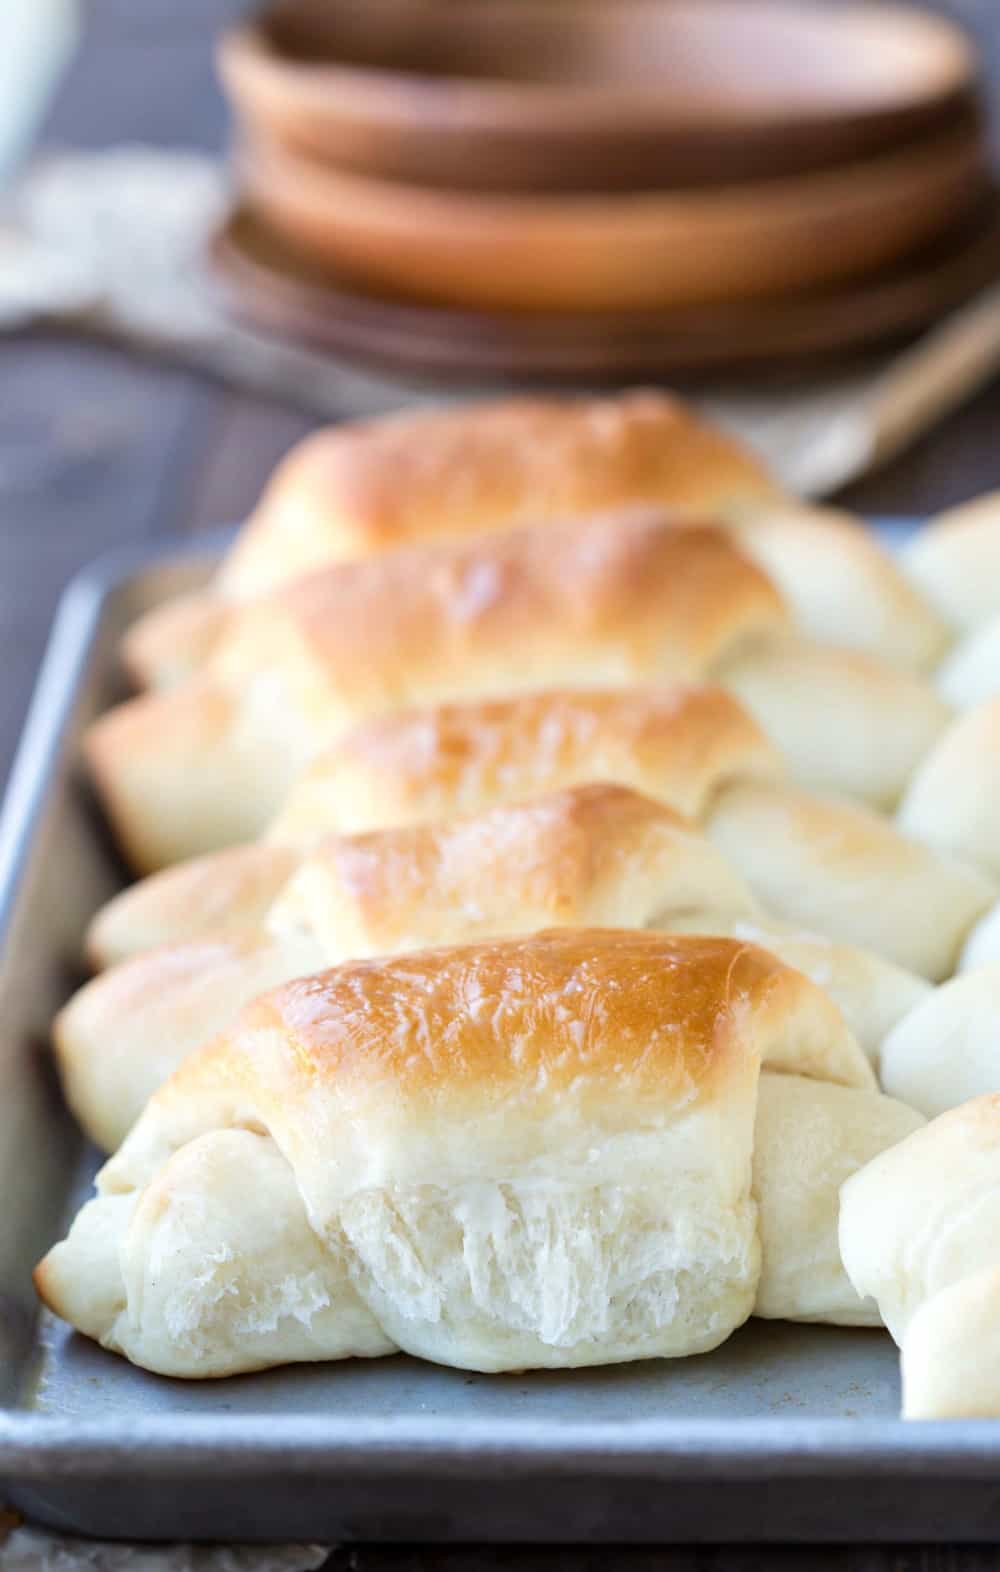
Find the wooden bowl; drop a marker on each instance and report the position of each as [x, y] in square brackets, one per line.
[261, 281]
[523, 95]
[619, 252]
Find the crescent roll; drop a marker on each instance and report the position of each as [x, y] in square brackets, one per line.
[675, 744]
[359, 489]
[950, 1357]
[835, 867]
[920, 1232]
[948, 1049]
[955, 562]
[951, 801]
[533, 1152]
[603, 603]
[592, 856]
[362, 488]
[822, 865]
[926, 1213]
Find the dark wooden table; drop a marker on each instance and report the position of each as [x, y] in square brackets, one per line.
[98, 448]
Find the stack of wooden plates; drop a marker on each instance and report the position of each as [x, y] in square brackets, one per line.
[574, 187]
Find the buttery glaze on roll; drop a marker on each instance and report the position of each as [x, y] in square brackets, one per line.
[605, 603]
[365, 487]
[593, 855]
[534, 1152]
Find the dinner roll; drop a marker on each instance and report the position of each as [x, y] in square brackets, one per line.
[870, 992]
[971, 672]
[591, 856]
[125, 1031]
[601, 855]
[925, 1214]
[841, 584]
[982, 943]
[950, 1358]
[951, 802]
[844, 721]
[221, 894]
[948, 1049]
[810, 1136]
[529, 1152]
[674, 743]
[361, 488]
[955, 561]
[600, 603]
[837, 868]
[588, 856]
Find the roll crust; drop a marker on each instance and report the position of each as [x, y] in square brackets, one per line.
[677, 744]
[472, 1137]
[597, 855]
[361, 488]
[603, 603]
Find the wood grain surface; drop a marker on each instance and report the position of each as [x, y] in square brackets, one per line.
[97, 449]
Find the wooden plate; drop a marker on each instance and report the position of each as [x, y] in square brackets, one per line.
[506, 95]
[274, 290]
[627, 251]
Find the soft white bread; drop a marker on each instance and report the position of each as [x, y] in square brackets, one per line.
[948, 1049]
[676, 744]
[195, 770]
[598, 854]
[810, 1136]
[216, 896]
[361, 488]
[122, 1034]
[588, 856]
[846, 722]
[870, 992]
[839, 581]
[926, 1213]
[955, 562]
[837, 868]
[592, 856]
[601, 603]
[971, 672]
[951, 802]
[821, 864]
[982, 943]
[531, 1152]
[950, 1358]
[210, 1269]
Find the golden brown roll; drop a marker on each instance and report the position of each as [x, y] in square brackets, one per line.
[359, 489]
[531, 1152]
[675, 743]
[363, 488]
[617, 600]
[589, 856]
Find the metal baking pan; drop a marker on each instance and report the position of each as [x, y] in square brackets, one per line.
[786, 1432]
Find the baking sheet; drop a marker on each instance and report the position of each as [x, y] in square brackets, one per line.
[703, 1448]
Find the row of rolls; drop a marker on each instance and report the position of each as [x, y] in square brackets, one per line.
[569, 920]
